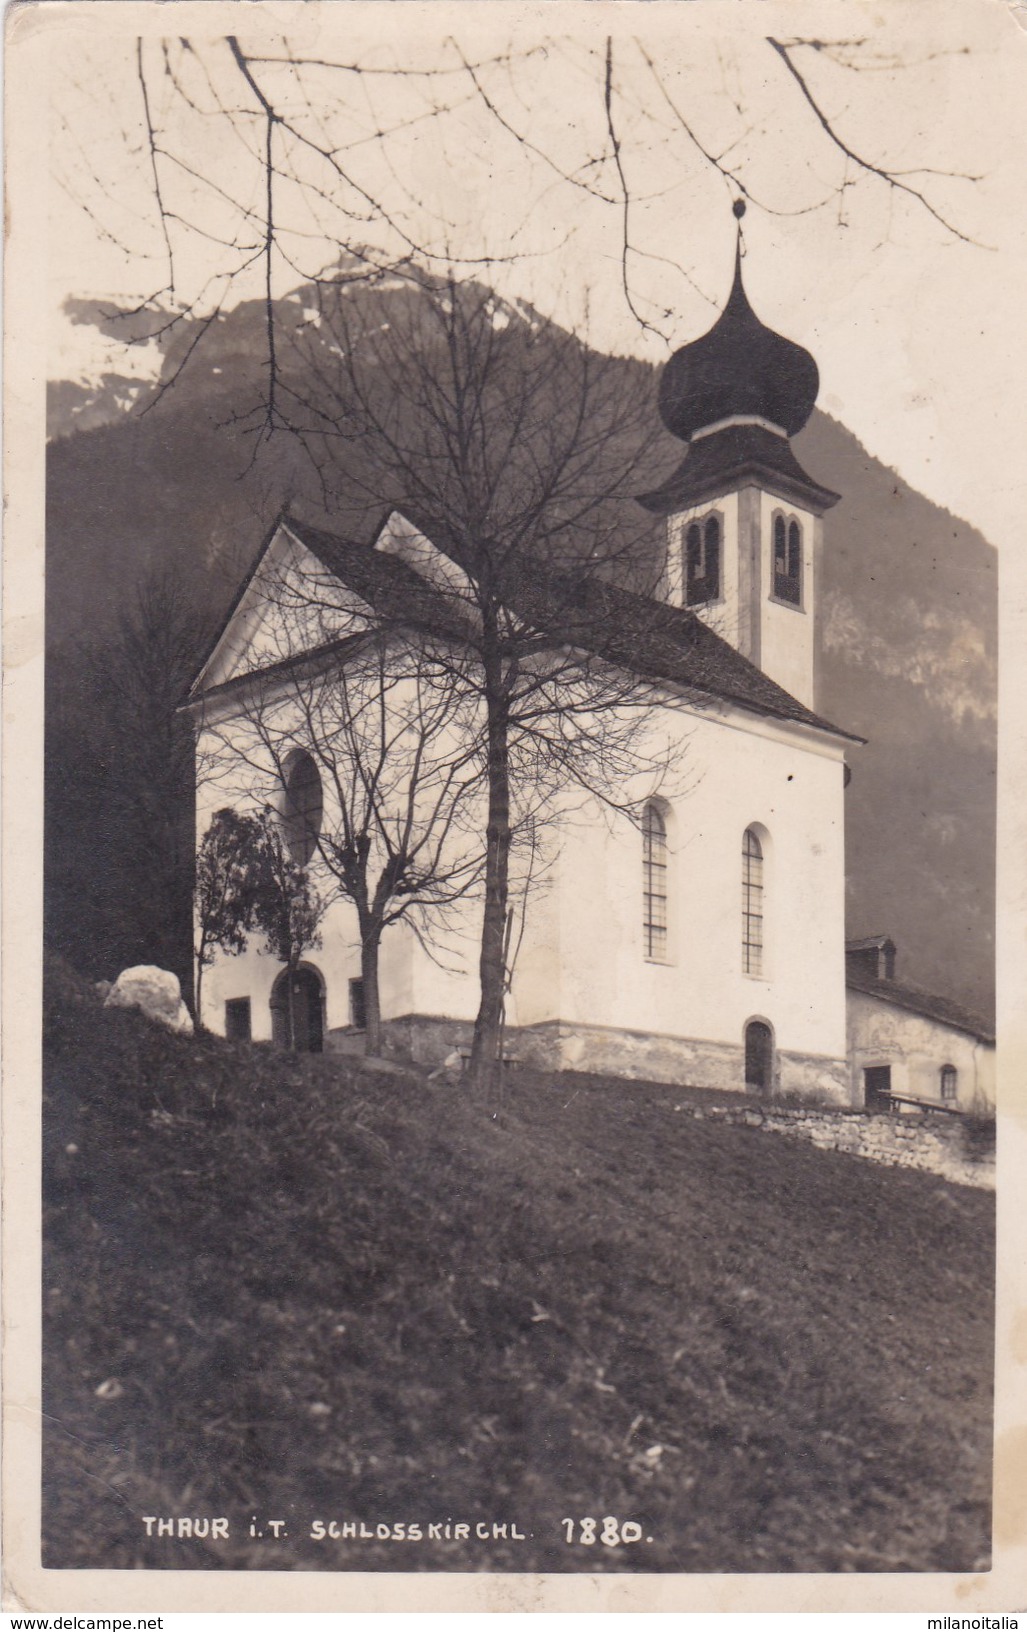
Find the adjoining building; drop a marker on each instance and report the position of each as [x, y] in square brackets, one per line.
[908, 1049]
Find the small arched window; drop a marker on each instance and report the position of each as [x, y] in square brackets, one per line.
[302, 806]
[949, 1082]
[787, 561]
[702, 561]
[752, 904]
[654, 882]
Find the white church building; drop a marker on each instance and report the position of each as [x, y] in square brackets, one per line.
[701, 941]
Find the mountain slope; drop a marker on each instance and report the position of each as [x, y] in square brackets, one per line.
[909, 639]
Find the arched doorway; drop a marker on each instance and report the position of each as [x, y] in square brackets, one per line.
[759, 1057]
[303, 1028]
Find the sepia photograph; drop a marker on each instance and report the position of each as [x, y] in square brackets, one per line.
[512, 1027]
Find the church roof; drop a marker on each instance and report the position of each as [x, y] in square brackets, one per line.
[916, 1001]
[724, 458]
[738, 367]
[647, 637]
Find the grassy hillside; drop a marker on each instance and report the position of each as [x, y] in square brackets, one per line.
[292, 1289]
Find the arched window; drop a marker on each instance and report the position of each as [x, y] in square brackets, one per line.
[702, 561]
[787, 561]
[302, 806]
[752, 904]
[654, 882]
[949, 1082]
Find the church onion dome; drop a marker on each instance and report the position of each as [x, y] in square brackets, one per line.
[739, 368]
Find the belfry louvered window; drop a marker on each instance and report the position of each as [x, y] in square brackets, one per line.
[702, 561]
[752, 904]
[654, 882]
[787, 561]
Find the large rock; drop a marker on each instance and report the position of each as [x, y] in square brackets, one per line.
[156, 992]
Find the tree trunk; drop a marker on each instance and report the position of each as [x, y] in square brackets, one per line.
[290, 1004]
[198, 991]
[485, 1063]
[372, 999]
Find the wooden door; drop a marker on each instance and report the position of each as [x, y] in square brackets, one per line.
[759, 1057]
[877, 1087]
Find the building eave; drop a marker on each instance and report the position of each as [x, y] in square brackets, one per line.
[938, 1010]
[735, 455]
[309, 662]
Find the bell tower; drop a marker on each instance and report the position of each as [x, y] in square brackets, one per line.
[744, 520]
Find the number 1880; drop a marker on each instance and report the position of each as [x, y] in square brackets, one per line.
[610, 1532]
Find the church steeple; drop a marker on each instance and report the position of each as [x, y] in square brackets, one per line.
[740, 369]
[743, 517]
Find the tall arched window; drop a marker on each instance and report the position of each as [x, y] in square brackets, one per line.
[702, 561]
[787, 561]
[752, 904]
[302, 806]
[654, 882]
[949, 1082]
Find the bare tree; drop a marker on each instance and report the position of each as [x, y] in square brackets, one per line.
[512, 452]
[388, 819]
[515, 451]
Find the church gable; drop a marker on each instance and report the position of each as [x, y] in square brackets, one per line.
[291, 604]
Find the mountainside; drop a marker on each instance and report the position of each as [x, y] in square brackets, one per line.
[908, 637]
[178, 483]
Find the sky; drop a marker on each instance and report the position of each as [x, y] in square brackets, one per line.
[914, 320]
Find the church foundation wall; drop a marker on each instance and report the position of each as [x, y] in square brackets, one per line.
[424, 1038]
[648, 1056]
[812, 1078]
[692, 1062]
[645, 1056]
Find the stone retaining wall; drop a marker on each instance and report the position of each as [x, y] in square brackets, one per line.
[931, 1142]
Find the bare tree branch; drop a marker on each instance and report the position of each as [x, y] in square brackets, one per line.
[891, 178]
[152, 142]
